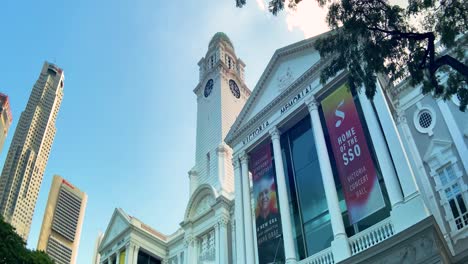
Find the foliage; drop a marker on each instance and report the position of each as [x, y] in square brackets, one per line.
[371, 37]
[13, 248]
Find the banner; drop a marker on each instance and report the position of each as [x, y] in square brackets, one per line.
[356, 169]
[267, 216]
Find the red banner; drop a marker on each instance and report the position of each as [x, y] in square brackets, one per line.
[356, 169]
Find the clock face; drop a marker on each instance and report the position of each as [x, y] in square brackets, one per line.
[208, 87]
[234, 89]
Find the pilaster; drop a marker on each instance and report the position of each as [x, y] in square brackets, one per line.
[382, 153]
[413, 203]
[455, 133]
[239, 211]
[221, 153]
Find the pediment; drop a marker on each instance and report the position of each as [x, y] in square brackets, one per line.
[286, 66]
[200, 202]
[203, 206]
[436, 148]
[118, 224]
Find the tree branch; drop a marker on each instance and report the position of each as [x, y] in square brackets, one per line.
[452, 62]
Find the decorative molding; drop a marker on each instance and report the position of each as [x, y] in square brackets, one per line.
[221, 149]
[285, 80]
[189, 240]
[223, 221]
[426, 109]
[274, 133]
[313, 72]
[244, 157]
[235, 162]
[203, 206]
[312, 103]
[200, 192]
[401, 117]
[192, 172]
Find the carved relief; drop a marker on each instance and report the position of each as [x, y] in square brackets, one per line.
[285, 80]
[203, 206]
[408, 255]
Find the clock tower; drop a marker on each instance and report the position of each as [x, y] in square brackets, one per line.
[221, 94]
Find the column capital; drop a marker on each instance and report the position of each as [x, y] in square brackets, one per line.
[311, 103]
[192, 172]
[223, 221]
[221, 149]
[401, 117]
[244, 157]
[235, 162]
[274, 133]
[189, 240]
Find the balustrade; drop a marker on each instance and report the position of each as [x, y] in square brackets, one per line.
[371, 236]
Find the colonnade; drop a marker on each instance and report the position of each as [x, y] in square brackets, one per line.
[340, 245]
[131, 255]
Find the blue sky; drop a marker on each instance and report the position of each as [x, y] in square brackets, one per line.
[126, 127]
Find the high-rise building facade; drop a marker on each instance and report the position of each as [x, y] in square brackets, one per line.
[5, 118]
[63, 219]
[29, 150]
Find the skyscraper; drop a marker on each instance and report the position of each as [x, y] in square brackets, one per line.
[29, 150]
[5, 118]
[63, 218]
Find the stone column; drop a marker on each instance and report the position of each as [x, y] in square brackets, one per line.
[223, 240]
[286, 223]
[135, 254]
[248, 220]
[383, 155]
[239, 211]
[340, 244]
[128, 252]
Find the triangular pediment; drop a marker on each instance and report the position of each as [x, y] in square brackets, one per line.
[117, 225]
[436, 149]
[287, 65]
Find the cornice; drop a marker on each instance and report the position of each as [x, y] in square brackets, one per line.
[293, 48]
[223, 70]
[109, 245]
[146, 234]
[311, 74]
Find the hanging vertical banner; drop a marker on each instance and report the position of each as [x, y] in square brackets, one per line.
[267, 217]
[356, 169]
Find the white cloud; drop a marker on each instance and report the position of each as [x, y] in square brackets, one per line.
[308, 17]
[261, 5]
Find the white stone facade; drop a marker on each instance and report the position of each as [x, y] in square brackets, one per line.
[422, 170]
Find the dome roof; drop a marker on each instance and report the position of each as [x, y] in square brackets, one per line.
[220, 36]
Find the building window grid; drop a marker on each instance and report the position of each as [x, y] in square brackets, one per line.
[453, 193]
